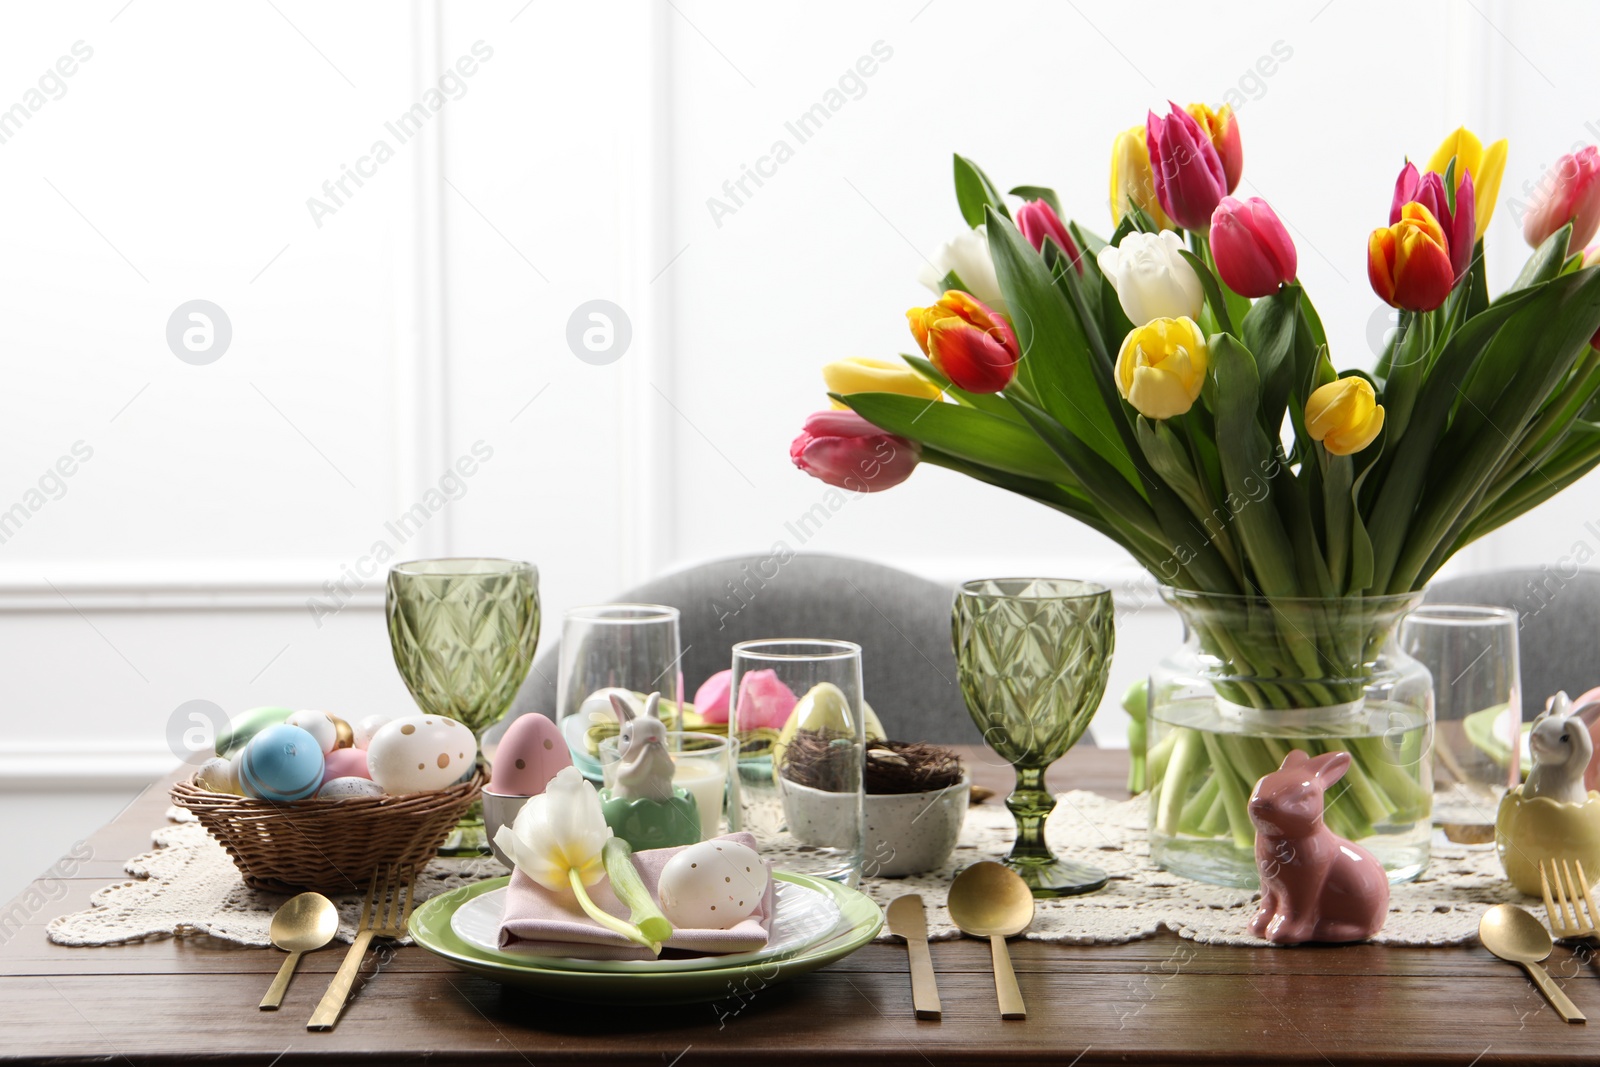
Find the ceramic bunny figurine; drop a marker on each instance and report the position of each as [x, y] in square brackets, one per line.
[1315, 885]
[1561, 749]
[645, 770]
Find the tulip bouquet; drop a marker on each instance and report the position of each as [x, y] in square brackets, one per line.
[1171, 386]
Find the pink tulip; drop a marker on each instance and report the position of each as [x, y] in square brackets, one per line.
[1460, 226]
[1038, 220]
[845, 450]
[764, 701]
[1188, 172]
[711, 699]
[1569, 193]
[1253, 251]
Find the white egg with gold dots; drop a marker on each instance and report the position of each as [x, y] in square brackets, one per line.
[418, 753]
[712, 885]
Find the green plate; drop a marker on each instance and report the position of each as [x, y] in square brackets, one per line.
[430, 928]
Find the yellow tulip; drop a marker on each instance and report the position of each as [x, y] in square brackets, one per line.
[860, 375]
[1486, 165]
[1131, 179]
[1344, 415]
[1162, 366]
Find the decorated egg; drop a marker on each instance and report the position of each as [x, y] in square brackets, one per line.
[368, 726]
[345, 763]
[712, 885]
[318, 724]
[218, 775]
[281, 763]
[344, 788]
[530, 754]
[420, 753]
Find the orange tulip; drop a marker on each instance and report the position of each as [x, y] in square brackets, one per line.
[971, 344]
[1409, 263]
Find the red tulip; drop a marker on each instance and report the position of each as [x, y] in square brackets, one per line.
[971, 344]
[1190, 182]
[1037, 220]
[1252, 248]
[1570, 192]
[1460, 226]
[845, 450]
[1408, 262]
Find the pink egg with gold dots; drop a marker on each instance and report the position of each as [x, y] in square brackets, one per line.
[530, 754]
[345, 763]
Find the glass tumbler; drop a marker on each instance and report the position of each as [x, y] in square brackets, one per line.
[628, 647]
[796, 714]
[1471, 651]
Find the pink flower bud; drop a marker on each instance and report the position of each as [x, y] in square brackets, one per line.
[845, 450]
[1253, 251]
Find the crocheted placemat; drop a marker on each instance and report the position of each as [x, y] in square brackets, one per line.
[188, 885]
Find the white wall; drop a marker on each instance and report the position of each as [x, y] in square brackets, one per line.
[428, 312]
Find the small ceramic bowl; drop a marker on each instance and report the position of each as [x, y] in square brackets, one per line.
[906, 833]
[499, 810]
[1527, 832]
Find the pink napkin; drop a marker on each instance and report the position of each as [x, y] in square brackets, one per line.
[543, 923]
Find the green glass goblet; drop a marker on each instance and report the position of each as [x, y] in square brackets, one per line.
[463, 633]
[1033, 655]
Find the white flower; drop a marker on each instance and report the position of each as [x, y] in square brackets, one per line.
[1152, 280]
[967, 254]
[559, 832]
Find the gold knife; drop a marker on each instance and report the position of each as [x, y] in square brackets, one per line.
[906, 919]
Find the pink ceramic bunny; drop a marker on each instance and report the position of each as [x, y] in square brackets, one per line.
[1315, 885]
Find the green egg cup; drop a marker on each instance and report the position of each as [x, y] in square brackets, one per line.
[645, 823]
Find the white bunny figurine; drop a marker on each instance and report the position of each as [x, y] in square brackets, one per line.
[645, 769]
[1561, 750]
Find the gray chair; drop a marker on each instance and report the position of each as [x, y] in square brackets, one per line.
[1559, 627]
[901, 622]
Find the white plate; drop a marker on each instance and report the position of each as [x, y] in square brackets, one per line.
[803, 918]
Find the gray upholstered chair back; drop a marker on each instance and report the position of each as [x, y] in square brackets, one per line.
[1559, 639]
[901, 622]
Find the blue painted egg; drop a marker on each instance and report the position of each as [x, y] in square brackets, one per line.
[281, 763]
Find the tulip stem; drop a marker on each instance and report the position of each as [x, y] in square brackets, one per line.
[605, 918]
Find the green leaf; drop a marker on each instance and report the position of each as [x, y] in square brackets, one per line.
[1528, 358]
[1250, 468]
[974, 191]
[989, 403]
[1269, 333]
[950, 281]
[964, 432]
[1057, 368]
[1113, 497]
[1090, 242]
[1407, 369]
[1208, 282]
[1407, 468]
[1058, 497]
[1545, 263]
[1040, 192]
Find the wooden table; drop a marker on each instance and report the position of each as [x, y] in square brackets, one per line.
[1158, 1001]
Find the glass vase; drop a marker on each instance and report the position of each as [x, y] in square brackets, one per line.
[1257, 677]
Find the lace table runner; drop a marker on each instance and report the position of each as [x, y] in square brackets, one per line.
[188, 885]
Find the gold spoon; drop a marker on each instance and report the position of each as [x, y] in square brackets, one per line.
[1517, 937]
[304, 924]
[991, 900]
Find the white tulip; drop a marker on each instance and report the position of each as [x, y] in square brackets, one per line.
[967, 254]
[1152, 280]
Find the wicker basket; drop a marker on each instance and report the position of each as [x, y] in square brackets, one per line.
[328, 845]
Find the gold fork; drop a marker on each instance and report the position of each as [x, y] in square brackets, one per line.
[385, 913]
[1571, 909]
